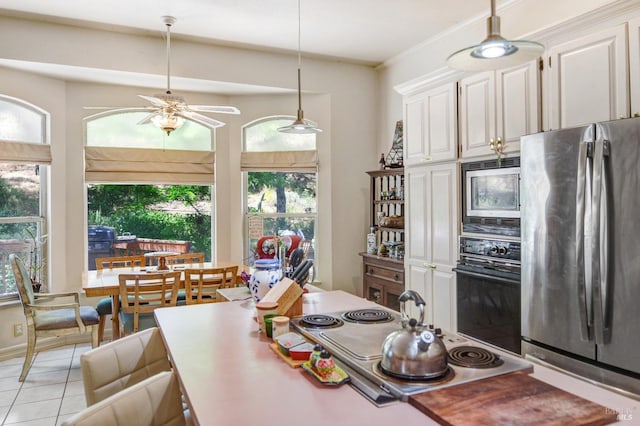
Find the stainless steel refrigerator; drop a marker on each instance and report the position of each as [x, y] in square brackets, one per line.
[581, 251]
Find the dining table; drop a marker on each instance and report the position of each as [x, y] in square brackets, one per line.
[105, 282]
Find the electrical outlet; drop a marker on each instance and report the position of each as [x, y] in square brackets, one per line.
[17, 329]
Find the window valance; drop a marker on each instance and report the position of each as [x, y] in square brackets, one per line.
[25, 152]
[136, 165]
[294, 161]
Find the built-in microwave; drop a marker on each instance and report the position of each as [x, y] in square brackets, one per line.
[491, 197]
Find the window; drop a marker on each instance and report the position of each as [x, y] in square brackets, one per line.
[147, 191]
[24, 159]
[280, 186]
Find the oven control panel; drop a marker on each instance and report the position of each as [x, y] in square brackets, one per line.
[497, 249]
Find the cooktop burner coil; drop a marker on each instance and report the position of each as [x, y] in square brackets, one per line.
[367, 316]
[473, 357]
[320, 321]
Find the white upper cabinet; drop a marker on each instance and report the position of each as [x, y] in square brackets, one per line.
[500, 104]
[430, 126]
[634, 65]
[588, 80]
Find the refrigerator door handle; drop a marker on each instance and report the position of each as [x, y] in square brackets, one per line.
[585, 326]
[600, 236]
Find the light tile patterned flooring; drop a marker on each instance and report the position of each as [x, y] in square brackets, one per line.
[51, 392]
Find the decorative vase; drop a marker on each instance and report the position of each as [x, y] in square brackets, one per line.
[266, 275]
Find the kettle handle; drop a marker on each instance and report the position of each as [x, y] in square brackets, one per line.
[417, 299]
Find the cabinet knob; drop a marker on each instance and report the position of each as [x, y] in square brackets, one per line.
[430, 266]
[425, 159]
[636, 114]
[396, 277]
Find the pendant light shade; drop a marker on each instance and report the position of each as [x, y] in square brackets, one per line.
[300, 125]
[494, 52]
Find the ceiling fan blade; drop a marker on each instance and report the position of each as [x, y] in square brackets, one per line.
[149, 117]
[155, 101]
[221, 109]
[199, 118]
[114, 108]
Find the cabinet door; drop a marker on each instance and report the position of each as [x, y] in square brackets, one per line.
[438, 289]
[432, 214]
[634, 65]
[417, 202]
[442, 214]
[444, 299]
[477, 113]
[588, 79]
[431, 124]
[517, 104]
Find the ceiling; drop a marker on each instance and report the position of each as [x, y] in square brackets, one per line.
[361, 31]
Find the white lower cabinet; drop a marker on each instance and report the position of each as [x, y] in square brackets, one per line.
[437, 286]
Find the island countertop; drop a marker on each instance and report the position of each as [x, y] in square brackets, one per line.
[230, 376]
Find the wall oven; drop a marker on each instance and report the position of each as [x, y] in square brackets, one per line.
[491, 197]
[488, 291]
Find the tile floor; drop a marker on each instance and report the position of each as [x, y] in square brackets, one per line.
[51, 392]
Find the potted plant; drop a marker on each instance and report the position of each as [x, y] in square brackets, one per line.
[36, 264]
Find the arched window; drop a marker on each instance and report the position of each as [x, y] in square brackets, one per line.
[280, 187]
[24, 159]
[146, 190]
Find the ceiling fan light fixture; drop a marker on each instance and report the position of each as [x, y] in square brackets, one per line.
[494, 52]
[300, 126]
[168, 122]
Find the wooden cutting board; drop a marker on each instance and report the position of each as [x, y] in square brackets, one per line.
[511, 399]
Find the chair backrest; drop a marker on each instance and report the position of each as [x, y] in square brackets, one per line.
[184, 258]
[154, 401]
[23, 282]
[305, 245]
[110, 368]
[202, 283]
[119, 262]
[143, 293]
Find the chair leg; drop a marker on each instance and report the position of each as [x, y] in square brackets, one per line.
[103, 320]
[28, 359]
[95, 333]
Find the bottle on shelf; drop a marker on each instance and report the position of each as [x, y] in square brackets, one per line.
[371, 242]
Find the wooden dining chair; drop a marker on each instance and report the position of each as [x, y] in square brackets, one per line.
[185, 258]
[105, 305]
[201, 283]
[46, 317]
[141, 294]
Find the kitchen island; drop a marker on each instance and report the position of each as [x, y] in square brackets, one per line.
[230, 376]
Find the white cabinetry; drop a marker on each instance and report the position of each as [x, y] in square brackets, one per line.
[498, 104]
[588, 79]
[430, 126]
[431, 238]
[634, 65]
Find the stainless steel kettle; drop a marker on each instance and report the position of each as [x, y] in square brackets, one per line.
[414, 352]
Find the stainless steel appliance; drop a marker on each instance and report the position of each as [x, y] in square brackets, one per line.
[355, 339]
[581, 251]
[488, 291]
[491, 197]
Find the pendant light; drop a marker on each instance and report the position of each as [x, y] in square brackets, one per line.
[300, 125]
[494, 52]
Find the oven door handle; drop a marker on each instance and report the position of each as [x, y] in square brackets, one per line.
[485, 276]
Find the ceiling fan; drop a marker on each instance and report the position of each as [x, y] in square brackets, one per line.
[168, 111]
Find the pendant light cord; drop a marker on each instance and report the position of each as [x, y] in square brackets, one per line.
[299, 65]
[493, 7]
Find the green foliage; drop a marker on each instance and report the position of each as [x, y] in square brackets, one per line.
[14, 202]
[127, 209]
